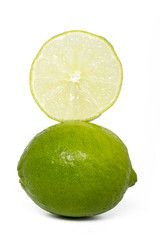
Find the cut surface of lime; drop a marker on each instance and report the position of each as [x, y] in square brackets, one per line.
[76, 76]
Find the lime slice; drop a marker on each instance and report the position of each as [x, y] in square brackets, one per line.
[76, 76]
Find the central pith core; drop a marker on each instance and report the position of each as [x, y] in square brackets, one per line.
[75, 77]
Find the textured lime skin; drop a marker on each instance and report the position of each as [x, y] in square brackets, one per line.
[76, 169]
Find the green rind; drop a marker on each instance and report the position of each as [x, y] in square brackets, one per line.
[86, 188]
[133, 178]
[88, 119]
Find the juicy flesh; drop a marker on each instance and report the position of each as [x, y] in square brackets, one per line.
[76, 76]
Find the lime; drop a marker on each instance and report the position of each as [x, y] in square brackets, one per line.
[76, 169]
[76, 76]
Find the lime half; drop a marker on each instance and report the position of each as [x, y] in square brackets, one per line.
[76, 76]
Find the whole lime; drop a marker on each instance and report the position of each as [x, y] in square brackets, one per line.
[76, 169]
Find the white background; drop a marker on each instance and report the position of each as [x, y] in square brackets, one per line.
[133, 28]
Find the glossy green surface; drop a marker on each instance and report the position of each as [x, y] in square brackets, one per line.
[76, 169]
